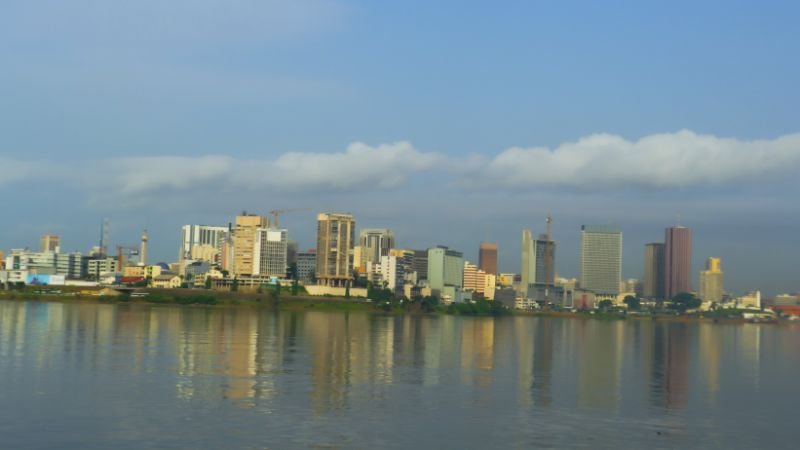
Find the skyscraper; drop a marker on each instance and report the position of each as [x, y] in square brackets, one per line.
[271, 252]
[335, 239]
[445, 268]
[535, 271]
[487, 257]
[601, 259]
[375, 243]
[244, 242]
[677, 261]
[196, 235]
[711, 281]
[654, 271]
[50, 243]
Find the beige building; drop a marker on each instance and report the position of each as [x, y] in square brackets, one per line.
[167, 281]
[244, 242]
[335, 241]
[204, 252]
[712, 281]
[506, 279]
[133, 271]
[50, 243]
[474, 278]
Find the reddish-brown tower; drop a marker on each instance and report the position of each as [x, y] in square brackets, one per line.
[677, 261]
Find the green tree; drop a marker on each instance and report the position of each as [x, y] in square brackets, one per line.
[293, 271]
[295, 287]
[633, 302]
[347, 289]
[684, 301]
[277, 293]
[208, 282]
[605, 304]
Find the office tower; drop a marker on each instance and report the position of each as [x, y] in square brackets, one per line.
[445, 268]
[374, 243]
[291, 252]
[419, 264]
[335, 240]
[271, 252]
[712, 281]
[50, 243]
[601, 259]
[534, 265]
[654, 271]
[202, 235]
[474, 278]
[244, 242]
[487, 257]
[677, 261]
[528, 263]
[307, 265]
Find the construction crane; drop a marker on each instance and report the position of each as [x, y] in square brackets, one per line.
[277, 212]
[547, 263]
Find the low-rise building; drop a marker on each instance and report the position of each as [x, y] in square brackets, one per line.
[166, 281]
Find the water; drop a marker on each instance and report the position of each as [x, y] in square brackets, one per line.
[98, 376]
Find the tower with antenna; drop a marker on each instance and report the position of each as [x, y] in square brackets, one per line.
[143, 249]
[548, 269]
[104, 238]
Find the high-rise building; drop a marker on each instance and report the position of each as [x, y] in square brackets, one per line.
[419, 264]
[445, 268]
[244, 243]
[50, 243]
[654, 271]
[712, 281]
[307, 265]
[271, 252]
[474, 278]
[677, 261]
[335, 240]
[601, 259]
[375, 243]
[196, 235]
[534, 265]
[487, 257]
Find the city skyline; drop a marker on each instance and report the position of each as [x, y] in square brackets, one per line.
[216, 109]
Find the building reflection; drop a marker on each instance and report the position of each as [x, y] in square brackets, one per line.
[600, 353]
[669, 387]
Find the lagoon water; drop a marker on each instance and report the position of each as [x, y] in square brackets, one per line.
[132, 376]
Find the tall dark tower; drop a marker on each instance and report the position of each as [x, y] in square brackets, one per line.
[677, 261]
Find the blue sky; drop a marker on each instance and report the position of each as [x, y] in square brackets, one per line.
[451, 122]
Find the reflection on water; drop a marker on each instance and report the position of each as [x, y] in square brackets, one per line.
[531, 377]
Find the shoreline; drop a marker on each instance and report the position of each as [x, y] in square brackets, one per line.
[305, 302]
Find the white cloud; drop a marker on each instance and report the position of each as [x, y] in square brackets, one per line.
[598, 162]
[665, 160]
[359, 166]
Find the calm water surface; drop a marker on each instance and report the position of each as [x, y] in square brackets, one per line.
[96, 376]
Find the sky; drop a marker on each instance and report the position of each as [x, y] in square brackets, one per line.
[451, 122]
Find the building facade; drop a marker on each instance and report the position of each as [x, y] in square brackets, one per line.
[307, 265]
[244, 243]
[271, 252]
[601, 259]
[445, 268]
[654, 271]
[677, 261]
[375, 243]
[202, 235]
[487, 257]
[712, 281]
[50, 243]
[335, 241]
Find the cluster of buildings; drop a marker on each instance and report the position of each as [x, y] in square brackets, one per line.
[254, 251]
